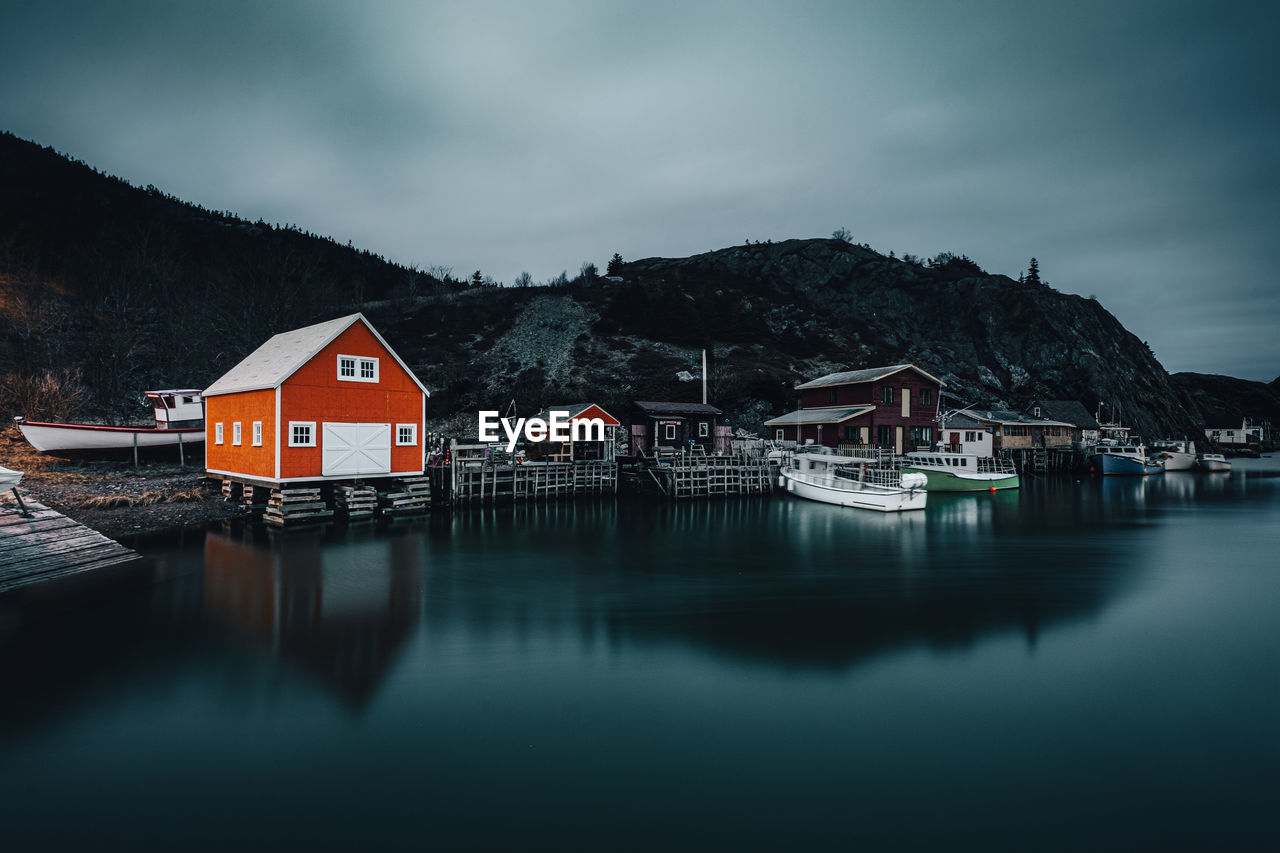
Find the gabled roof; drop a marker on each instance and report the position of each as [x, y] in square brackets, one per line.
[829, 415]
[651, 407]
[1004, 416]
[282, 355]
[869, 374]
[576, 409]
[1071, 411]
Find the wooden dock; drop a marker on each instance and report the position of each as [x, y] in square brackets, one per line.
[49, 546]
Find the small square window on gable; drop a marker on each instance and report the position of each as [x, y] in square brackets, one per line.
[357, 368]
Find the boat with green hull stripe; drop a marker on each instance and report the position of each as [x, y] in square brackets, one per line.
[962, 472]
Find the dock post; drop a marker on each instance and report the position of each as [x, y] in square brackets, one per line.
[182, 455]
[135, 450]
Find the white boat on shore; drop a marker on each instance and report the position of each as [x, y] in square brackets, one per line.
[9, 478]
[848, 481]
[178, 415]
[1214, 463]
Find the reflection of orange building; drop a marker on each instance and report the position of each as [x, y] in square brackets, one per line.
[339, 611]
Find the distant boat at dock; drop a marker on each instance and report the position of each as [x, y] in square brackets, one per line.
[1175, 455]
[1123, 460]
[852, 482]
[178, 415]
[961, 472]
[1214, 463]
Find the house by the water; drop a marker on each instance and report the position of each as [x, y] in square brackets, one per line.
[681, 426]
[582, 446]
[331, 401]
[893, 407]
[1084, 426]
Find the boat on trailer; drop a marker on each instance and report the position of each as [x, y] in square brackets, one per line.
[961, 472]
[179, 420]
[852, 482]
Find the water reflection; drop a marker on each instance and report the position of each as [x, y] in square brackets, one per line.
[339, 608]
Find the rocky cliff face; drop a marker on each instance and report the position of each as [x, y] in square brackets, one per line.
[1224, 401]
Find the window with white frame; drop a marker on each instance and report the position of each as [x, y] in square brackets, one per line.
[406, 434]
[235, 433]
[217, 433]
[704, 429]
[778, 434]
[671, 432]
[302, 433]
[357, 368]
[257, 433]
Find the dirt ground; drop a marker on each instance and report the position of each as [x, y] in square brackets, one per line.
[114, 498]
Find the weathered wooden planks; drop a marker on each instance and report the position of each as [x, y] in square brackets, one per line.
[49, 545]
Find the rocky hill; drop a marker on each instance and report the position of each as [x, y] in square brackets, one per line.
[107, 289]
[1224, 401]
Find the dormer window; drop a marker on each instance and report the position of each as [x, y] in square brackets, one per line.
[1036, 411]
[357, 368]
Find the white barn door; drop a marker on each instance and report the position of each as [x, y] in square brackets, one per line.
[355, 450]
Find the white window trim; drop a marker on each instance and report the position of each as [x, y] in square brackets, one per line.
[217, 433]
[704, 429]
[235, 434]
[257, 433]
[670, 432]
[778, 435]
[311, 425]
[360, 360]
[413, 438]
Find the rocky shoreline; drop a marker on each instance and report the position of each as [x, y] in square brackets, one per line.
[114, 498]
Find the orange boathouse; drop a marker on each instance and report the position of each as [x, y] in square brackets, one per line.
[328, 402]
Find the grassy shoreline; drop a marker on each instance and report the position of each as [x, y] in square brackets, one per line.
[115, 498]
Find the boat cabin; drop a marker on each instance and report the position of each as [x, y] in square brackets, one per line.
[177, 409]
[331, 401]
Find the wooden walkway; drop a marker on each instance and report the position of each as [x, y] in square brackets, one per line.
[48, 545]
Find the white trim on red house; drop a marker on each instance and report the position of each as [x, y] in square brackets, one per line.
[256, 479]
[279, 427]
[358, 363]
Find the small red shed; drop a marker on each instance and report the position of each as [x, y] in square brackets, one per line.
[329, 402]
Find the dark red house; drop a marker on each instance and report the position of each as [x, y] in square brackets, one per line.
[892, 407]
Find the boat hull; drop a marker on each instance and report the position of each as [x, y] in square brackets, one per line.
[1176, 460]
[1111, 465]
[870, 497]
[1215, 466]
[9, 478]
[88, 439]
[946, 481]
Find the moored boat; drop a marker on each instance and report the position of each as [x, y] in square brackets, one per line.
[9, 478]
[1175, 455]
[178, 415]
[961, 472]
[1214, 463]
[848, 481]
[1123, 460]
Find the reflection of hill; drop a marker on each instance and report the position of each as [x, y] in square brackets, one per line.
[339, 610]
[788, 583]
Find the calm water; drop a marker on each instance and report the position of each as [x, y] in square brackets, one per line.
[1076, 665]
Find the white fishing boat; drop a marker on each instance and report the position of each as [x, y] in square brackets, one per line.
[1174, 455]
[848, 481]
[1214, 463]
[178, 415]
[962, 472]
[1122, 459]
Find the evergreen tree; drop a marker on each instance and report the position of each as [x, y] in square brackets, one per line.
[1033, 272]
[614, 266]
[477, 280]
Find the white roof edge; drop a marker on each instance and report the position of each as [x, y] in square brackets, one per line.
[338, 330]
[888, 371]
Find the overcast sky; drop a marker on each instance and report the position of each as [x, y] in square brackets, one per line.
[1129, 146]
